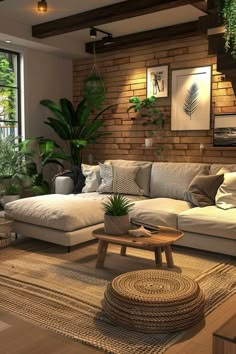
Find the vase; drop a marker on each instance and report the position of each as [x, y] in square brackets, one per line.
[148, 142]
[116, 225]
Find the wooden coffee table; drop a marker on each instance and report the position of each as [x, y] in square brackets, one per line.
[156, 242]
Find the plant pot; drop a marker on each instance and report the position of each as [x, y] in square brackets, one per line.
[149, 142]
[116, 225]
[9, 198]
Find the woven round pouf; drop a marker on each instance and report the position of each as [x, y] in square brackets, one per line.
[154, 301]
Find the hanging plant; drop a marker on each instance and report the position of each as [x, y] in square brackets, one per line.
[227, 9]
[94, 91]
[93, 86]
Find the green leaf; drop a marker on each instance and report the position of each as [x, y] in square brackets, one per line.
[67, 110]
[134, 100]
[58, 127]
[53, 107]
[191, 100]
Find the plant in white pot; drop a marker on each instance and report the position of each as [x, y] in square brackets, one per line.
[116, 217]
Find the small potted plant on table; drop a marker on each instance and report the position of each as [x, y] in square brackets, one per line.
[116, 217]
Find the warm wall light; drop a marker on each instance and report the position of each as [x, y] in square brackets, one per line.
[42, 6]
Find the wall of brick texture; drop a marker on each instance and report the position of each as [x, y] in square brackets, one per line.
[124, 75]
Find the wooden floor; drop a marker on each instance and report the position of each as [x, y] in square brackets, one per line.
[20, 337]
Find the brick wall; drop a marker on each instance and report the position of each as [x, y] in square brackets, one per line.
[124, 75]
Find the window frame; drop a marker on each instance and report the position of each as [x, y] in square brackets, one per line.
[18, 88]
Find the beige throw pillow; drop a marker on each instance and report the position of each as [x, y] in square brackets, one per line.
[116, 179]
[226, 194]
[92, 178]
[124, 180]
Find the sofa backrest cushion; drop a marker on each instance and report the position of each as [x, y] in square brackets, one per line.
[215, 168]
[171, 179]
[143, 174]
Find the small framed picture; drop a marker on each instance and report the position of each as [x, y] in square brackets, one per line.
[157, 81]
[224, 130]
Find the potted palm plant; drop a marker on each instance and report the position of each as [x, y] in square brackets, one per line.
[76, 126]
[116, 217]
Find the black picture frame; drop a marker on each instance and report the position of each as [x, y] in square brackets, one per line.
[224, 133]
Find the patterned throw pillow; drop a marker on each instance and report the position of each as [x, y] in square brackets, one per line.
[116, 179]
[106, 173]
[124, 180]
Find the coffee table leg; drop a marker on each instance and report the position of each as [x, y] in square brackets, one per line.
[102, 251]
[158, 257]
[169, 257]
[123, 251]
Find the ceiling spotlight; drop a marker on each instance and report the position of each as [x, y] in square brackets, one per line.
[107, 40]
[93, 33]
[42, 6]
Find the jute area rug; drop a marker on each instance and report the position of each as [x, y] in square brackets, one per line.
[63, 292]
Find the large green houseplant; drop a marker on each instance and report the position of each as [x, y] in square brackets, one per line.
[77, 126]
[227, 10]
[43, 152]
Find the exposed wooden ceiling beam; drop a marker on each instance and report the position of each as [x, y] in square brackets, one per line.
[106, 14]
[157, 35]
[201, 5]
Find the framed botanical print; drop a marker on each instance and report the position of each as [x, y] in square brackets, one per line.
[224, 130]
[157, 81]
[191, 99]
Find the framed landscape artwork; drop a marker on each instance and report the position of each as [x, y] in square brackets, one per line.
[157, 81]
[224, 130]
[191, 99]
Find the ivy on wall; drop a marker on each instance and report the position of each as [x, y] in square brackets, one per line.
[227, 9]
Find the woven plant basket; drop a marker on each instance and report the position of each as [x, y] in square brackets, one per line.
[116, 225]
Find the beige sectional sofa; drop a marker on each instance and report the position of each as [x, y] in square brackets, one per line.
[68, 219]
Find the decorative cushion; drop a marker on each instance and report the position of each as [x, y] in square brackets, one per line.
[93, 178]
[143, 174]
[106, 172]
[124, 180]
[116, 179]
[202, 190]
[226, 194]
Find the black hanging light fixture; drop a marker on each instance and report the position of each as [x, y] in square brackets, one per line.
[42, 6]
[108, 39]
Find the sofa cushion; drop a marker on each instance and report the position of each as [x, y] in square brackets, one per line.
[124, 180]
[93, 178]
[62, 212]
[226, 194]
[209, 221]
[170, 179]
[158, 211]
[202, 190]
[143, 174]
[215, 168]
[106, 173]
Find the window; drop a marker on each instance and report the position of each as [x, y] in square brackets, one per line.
[10, 120]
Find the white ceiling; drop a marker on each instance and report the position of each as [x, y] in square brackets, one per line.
[17, 17]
